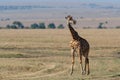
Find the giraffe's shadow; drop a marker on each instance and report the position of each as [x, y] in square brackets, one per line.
[116, 75]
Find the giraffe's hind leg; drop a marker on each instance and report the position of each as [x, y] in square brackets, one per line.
[87, 66]
[73, 59]
[80, 56]
[82, 71]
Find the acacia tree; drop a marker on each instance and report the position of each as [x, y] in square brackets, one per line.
[51, 26]
[42, 25]
[60, 26]
[34, 26]
[18, 24]
[100, 26]
[11, 26]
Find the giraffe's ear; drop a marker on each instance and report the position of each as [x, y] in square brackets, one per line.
[74, 21]
[65, 17]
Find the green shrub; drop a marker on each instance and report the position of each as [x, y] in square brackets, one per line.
[117, 27]
[42, 25]
[8, 26]
[100, 26]
[34, 26]
[60, 26]
[11, 26]
[18, 24]
[51, 26]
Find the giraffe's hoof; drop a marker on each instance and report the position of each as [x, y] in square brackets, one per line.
[83, 72]
[88, 73]
[71, 73]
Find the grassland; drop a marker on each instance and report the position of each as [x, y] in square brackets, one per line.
[45, 55]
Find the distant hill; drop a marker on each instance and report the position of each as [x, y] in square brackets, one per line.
[32, 6]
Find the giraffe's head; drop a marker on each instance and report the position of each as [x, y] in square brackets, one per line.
[70, 20]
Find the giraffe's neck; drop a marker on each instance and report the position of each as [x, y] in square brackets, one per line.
[74, 34]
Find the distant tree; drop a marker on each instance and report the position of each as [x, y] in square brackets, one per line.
[13, 27]
[100, 26]
[106, 22]
[8, 26]
[51, 26]
[117, 27]
[34, 26]
[42, 25]
[60, 26]
[18, 24]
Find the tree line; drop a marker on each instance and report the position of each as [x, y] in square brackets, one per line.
[19, 25]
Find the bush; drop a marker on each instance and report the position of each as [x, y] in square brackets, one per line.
[18, 24]
[100, 26]
[42, 25]
[51, 26]
[8, 26]
[11, 26]
[117, 27]
[34, 26]
[60, 26]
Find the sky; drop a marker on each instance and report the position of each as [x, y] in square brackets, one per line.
[37, 2]
[111, 1]
[67, 0]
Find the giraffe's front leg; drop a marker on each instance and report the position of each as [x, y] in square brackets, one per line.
[73, 59]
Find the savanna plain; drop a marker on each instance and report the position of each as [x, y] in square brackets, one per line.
[45, 54]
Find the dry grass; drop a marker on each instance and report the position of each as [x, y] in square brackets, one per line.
[45, 55]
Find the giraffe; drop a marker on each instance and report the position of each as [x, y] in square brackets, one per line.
[79, 45]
